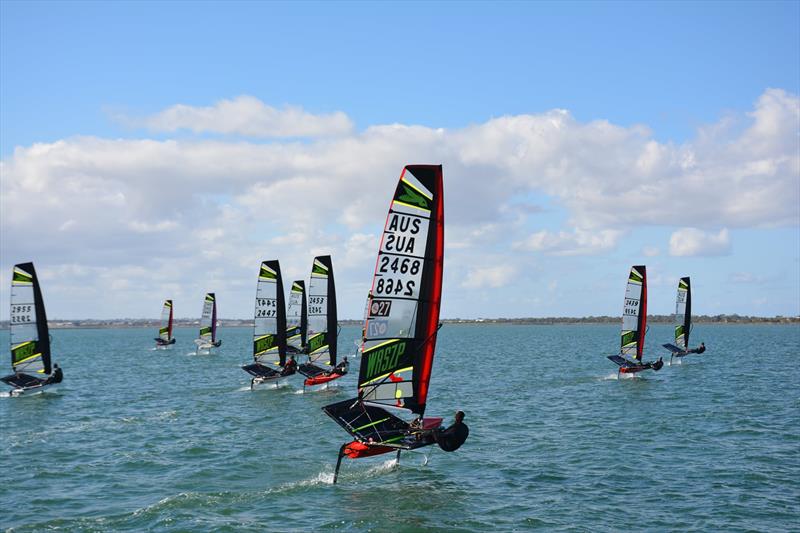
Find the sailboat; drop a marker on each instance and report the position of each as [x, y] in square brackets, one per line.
[165, 337]
[634, 325]
[322, 326]
[401, 326]
[30, 338]
[269, 329]
[683, 322]
[296, 318]
[208, 325]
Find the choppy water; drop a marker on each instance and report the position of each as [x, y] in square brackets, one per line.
[137, 439]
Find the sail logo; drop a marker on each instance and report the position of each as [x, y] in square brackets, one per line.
[316, 342]
[23, 351]
[384, 359]
[263, 344]
[411, 197]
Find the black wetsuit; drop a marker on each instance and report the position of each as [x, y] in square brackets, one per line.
[452, 438]
[57, 376]
[701, 349]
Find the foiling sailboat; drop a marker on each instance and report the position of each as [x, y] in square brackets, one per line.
[683, 322]
[165, 337]
[269, 329]
[322, 327]
[208, 325]
[296, 319]
[401, 326]
[30, 338]
[634, 326]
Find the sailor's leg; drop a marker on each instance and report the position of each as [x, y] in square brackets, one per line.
[339, 463]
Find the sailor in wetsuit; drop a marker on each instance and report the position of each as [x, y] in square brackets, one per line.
[342, 367]
[700, 349]
[56, 377]
[290, 367]
[452, 438]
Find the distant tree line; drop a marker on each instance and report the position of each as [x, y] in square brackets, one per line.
[653, 319]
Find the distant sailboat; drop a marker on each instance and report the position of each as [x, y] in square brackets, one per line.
[401, 326]
[322, 327]
[297, 319]
[165, 337]
[269, 329]
[634, 325]
[683, 322]
[208, 325]
[30, 338]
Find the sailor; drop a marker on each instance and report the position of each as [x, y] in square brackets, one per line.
[56, 377]
[342, 367]
[700, 349]
[290, 367]
[452, 438]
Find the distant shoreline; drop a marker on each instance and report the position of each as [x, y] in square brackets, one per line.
[522, 321]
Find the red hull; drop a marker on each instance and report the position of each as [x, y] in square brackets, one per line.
[356, 450]
[631, 369]
[319, 380]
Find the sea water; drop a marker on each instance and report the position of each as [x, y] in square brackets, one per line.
[140, 439]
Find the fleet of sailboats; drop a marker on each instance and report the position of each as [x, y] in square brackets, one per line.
[397, 343]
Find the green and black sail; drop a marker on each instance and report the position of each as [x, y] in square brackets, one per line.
[399, 338]
[269, 327]
[322, 319]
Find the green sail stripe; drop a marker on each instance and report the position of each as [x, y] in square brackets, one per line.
[371, 424]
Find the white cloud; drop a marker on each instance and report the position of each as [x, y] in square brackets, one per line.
[217, 206]
[489, 277]
[651, 251]
[694, 242]
[245, 115]
[578, 242]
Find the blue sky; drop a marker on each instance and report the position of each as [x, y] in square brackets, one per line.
[693, 104]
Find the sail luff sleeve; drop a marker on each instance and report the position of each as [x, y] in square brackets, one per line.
[687, 315]
[333, 324]
[642, 315]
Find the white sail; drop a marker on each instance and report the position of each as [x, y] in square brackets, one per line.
[30, 342]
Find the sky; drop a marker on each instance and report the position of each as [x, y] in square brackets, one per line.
[162, 150]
